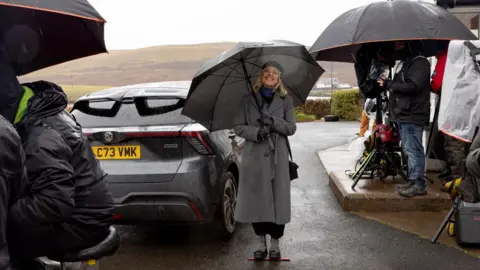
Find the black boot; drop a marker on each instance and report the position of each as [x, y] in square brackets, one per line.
[260, 252]
[445, 173]
[275, 249]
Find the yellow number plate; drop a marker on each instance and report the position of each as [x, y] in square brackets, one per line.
[117, 152]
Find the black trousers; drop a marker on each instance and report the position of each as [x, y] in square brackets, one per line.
[272, 229]
[51, 241]
[457, 152]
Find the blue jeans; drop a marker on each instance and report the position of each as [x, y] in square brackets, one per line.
[411, 136]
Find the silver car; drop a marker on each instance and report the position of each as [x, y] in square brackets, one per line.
[161, 165]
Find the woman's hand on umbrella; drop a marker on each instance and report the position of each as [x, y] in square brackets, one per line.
[380, 81]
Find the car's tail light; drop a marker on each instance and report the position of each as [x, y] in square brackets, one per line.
[198, 142]
[195, 209]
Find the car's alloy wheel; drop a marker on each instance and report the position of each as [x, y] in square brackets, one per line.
[229, 203]
[226, 214]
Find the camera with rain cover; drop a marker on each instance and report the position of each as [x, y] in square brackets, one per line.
[377, 70]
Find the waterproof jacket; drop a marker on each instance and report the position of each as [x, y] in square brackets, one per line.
[66, 184]
[12, 180]
[437, 76]
[409, 100]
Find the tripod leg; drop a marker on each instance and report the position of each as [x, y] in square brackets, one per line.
[429, 179]
[444, 223]
[397, 166]
[363, 167]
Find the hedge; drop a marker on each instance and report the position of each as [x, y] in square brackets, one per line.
[346, 104]
[319, 108]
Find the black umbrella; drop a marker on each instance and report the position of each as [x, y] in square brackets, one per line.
[222, 81]
[36, 34]
[388, 21]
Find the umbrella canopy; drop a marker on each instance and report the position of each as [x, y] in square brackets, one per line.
[39, 34]
[222, 81]
[387, 21]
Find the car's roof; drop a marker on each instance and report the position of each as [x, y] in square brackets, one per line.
[177, 89]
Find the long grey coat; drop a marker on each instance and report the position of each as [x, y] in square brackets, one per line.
[264, 184]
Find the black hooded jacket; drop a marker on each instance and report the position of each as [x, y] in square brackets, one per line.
[12, 180]
[409, 100]
[10, 89]
[66, 184]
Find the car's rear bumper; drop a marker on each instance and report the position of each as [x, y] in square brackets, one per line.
[189, 197]
[167, 207]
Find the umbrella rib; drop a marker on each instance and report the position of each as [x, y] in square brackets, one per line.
[254, 64]
[232, 82]
[301, 58]
[228, 66]
[358, 23]
[294, 92]
[219, 75]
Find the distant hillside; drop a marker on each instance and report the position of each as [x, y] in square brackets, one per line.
[123, 67]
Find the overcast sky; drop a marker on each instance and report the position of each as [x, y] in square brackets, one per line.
[144, 23]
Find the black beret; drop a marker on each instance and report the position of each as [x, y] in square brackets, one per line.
[273, 64]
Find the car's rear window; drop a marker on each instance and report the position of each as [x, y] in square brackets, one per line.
[167, 111]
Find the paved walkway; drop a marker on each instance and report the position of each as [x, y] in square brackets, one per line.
[321, 235]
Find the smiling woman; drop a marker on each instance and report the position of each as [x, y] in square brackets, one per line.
[265, 125]
[270, 79]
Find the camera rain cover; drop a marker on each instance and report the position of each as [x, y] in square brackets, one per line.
[459, 113]
[378, 70]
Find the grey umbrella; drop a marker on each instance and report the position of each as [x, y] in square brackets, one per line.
[222, 81]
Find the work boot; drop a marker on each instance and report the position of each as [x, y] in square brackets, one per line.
[413, 191]
[275, 249]
[260, 252]
[445, 173]
[409, 184]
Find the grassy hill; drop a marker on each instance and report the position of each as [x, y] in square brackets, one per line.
[123, 67]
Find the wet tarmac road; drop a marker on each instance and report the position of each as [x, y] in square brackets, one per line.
[320, 236]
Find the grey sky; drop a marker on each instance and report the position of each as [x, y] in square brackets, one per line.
[144, 23]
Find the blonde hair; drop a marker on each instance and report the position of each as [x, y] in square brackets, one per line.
[279, 87]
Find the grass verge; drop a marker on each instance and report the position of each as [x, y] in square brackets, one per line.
[301, 117]
[76, 91]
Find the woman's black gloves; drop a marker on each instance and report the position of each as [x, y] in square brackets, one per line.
[266, 123]
[263, 133]
[266, 120]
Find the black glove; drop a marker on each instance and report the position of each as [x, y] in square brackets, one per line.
[266, 120]
[263, 133]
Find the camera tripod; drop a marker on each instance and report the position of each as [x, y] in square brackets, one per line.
[384, 157]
